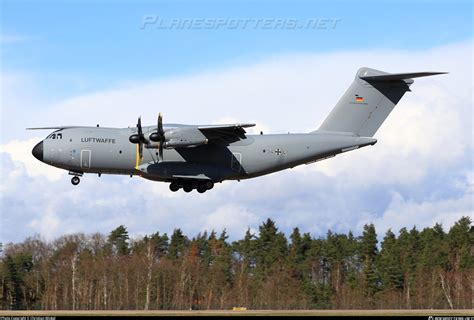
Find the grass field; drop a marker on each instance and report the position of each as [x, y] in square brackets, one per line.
[241, 313]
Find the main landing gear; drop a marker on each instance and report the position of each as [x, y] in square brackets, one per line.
[188, 186]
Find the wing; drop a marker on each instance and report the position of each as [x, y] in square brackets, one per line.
[225, 132]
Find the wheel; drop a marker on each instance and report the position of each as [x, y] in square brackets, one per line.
[209, 185]
[188, 187]
[201, 188]
[174, 186]
[75, 180]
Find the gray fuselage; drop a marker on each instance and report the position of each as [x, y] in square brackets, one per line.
[108, 151]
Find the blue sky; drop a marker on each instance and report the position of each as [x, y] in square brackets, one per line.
[87, 62]
[100, 43]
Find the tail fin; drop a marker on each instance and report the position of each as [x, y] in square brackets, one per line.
[369, 100]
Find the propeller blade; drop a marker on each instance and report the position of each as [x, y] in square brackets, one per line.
[160, 125]
[161, 132]
[139, 127]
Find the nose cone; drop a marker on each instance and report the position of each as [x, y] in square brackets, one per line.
[38, 151]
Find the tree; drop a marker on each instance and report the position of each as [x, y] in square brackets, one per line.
[390, 269]
[118, 238]
[219, 272]
[409, 253]
[316, 283]
[16, 268]
[427, 269]
[431, 262]
[461, 260]
[178, 244]
[245, 250]
[245, 262]
[369, 253]
[298, 252]
[270, 247]
[389, 263]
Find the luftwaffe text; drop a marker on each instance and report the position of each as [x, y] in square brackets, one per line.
[98, 140]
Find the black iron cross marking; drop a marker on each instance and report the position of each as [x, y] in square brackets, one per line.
[278, 152]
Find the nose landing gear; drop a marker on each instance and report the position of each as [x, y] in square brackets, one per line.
[75, 180]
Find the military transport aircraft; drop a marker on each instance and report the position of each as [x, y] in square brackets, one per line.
[197, 156]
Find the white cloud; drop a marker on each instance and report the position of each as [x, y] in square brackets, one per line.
[47, 224]
[427, 137]
[234, 218]
[406, 212]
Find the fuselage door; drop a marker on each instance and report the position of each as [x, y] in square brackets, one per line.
[236, 161]
[85, 159]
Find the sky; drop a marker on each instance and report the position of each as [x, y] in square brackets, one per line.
[280, 64]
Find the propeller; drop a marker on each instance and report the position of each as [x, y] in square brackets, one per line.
[159, 135]
[138, 138]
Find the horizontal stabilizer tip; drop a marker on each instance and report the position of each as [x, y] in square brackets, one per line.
[369, 74]
[399, 76]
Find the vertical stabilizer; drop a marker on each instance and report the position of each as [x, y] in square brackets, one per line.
[369, 100]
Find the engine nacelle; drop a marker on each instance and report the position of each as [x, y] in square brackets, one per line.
[181, 143]
[184, 137]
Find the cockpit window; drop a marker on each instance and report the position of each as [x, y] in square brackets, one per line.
[55, 136]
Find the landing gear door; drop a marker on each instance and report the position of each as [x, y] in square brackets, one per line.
[85, 159]
[236, 161]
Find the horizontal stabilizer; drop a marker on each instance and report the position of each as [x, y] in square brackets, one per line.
[55, 128]
[399, 76]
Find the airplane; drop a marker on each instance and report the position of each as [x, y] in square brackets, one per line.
[198, 156]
